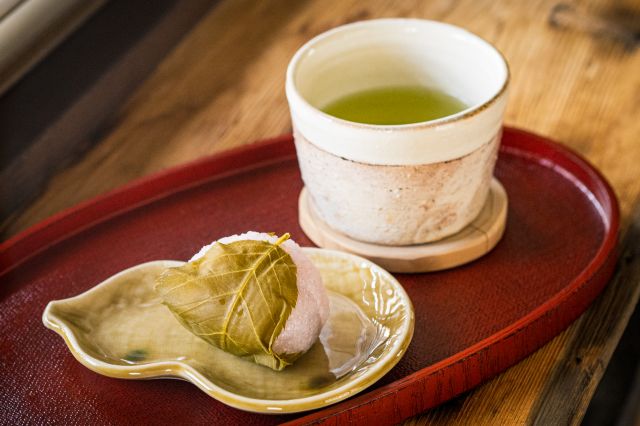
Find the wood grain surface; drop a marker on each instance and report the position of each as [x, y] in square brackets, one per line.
[574, 78]
[51, 116]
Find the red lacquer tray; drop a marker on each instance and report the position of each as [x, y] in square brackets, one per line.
[472, 322]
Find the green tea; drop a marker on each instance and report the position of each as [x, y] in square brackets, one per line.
[395, 105]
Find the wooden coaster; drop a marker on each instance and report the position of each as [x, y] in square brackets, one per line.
[477, 239]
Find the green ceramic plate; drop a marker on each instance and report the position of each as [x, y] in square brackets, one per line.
[120, 329]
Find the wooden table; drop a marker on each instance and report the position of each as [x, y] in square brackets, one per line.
[575, 78]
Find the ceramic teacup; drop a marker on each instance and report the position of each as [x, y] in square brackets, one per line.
[397, 184]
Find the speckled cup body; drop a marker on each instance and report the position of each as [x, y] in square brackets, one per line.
[397, 205]
[397, 184]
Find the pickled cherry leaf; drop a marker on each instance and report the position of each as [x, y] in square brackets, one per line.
[238, 297]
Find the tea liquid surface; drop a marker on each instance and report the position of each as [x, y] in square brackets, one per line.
[395, 105]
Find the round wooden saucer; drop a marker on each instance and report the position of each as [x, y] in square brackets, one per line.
[477, 239]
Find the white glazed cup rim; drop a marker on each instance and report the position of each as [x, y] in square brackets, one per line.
[298, 102]
[295, 60]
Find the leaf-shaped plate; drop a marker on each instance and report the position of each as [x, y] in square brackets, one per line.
[120, 329]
